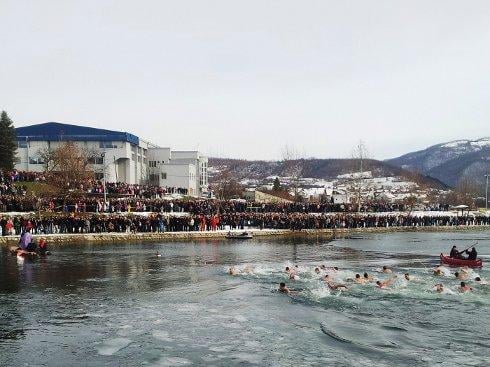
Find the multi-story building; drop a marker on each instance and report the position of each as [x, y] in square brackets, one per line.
[118, 156]
[169, 167]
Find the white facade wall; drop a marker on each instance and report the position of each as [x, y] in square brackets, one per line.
[181, 176]
[201, 162]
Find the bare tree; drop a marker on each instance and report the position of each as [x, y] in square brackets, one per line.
[68, 167]
[360, 156]
[226, 186]
[464, 193]
[293, 167]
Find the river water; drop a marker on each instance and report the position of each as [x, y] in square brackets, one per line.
[120, 305]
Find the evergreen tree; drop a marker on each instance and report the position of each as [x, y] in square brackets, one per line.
[277, 185]
[8, 142]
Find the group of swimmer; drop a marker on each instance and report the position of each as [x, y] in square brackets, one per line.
[328, 278]
[463, 274]
[327, 275]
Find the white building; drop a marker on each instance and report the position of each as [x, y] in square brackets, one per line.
[167, 168]
[121, 156]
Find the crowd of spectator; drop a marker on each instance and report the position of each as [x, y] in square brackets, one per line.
[21, 176]
[137, 191]
[87, 211]
[71, 223]
[130, 203]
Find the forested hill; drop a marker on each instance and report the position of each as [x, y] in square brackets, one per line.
[314, 168]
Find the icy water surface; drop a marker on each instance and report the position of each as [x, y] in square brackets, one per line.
[121, 305]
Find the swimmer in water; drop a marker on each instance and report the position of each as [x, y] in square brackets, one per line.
[438, 271]
[360, 280]
[386, 270]
[407, 276]
[232, 271]
[323, 267]
[478, 280]
[317, 270]
[368, 277]
[461, 276]
[158, 254]
[293, 276]
[328, 281]
[385, 283]
[439, 288]
[284, 289]
[464, 288]
[248, 269]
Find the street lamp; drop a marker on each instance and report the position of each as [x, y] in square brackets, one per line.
[486, 192]
[103, 179]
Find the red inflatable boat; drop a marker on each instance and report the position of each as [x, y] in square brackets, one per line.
[478, 263]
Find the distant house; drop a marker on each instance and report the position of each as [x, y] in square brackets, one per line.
[341, 196]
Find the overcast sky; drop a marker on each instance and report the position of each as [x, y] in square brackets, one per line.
[243, 79]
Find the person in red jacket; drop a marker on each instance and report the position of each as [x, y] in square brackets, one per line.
[43, 246]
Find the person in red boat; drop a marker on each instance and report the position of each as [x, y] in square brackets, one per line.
[472, 254]
[455, 254]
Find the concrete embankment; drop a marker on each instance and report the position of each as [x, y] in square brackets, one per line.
[109, 238]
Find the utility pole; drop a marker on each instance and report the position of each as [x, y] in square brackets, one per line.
[103, 180]
[360, 183]
[486, 192]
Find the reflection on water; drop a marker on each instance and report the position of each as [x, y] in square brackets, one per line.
[122, 305]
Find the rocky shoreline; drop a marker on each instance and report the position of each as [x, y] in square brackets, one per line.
[111, 238]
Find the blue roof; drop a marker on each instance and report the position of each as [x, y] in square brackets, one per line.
[55, 131]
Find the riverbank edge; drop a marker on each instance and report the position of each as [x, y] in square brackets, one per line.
[115, 238]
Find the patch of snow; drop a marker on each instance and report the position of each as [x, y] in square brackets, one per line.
[365, 174]
[481, 143]
[454, 144]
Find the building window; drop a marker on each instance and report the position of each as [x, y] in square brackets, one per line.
[164, 175]
[96, 160]
[34, 160]
[107, 144]
[154, 177]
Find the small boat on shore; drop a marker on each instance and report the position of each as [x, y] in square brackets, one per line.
[478, 263]
[239, 236]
